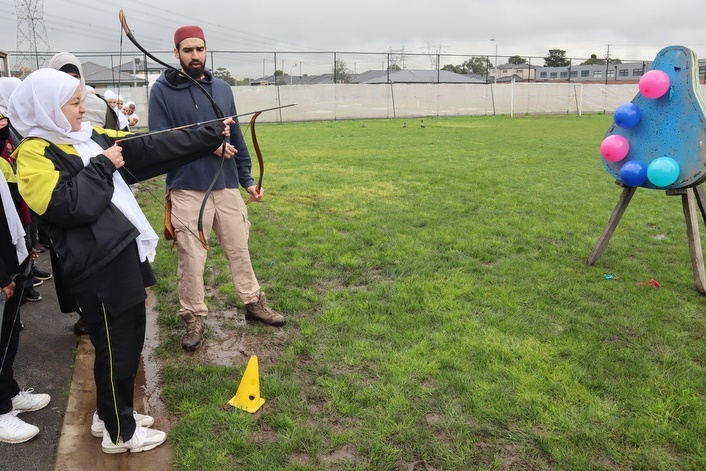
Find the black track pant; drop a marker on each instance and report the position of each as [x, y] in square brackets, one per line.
[118, 339]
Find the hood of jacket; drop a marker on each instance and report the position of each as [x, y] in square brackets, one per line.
[174, 79]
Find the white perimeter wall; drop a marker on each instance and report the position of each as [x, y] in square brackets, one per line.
[349, 101]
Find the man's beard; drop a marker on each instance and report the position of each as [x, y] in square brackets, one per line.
[193, 72]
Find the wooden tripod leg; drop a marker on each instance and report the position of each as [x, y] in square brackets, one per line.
[620, 208]
[701, 200]
[688, 200]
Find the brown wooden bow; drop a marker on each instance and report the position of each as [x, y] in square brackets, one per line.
[258, 153]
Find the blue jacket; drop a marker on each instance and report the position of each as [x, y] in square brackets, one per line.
[175, 101]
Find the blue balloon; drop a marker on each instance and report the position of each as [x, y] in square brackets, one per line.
[663, 171]
[633, 173]
[627, 115]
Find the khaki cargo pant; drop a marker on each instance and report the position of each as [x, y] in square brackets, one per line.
[226, 214]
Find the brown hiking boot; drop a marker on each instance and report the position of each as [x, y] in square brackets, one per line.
[191, 340]
[261, 311]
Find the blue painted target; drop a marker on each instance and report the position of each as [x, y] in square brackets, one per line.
[664, 125]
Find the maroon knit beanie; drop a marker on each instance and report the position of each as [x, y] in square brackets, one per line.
[188, 32]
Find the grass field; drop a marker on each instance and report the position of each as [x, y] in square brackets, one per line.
[441, 313]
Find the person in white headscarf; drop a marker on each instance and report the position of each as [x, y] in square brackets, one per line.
[15, 265]
[132, 117]
[9, 138]
[75, 178]
[7, 86]
[113, 99]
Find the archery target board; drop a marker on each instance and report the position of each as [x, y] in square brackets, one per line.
[658, 140]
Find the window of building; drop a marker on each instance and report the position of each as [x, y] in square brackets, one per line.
[584, 73]
[623, 73]
[574, 73]
[552, 75]
[597, 73]
[636, 72]
[564, 75]
[610, 73]
[543, 75]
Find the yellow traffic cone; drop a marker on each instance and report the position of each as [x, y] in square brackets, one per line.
[248, 395]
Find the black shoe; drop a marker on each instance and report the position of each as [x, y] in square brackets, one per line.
[41, 275]
[80, 328]
[39, 248]
[32, 295]
[37, 283]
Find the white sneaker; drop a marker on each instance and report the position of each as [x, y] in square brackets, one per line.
[26, 401]
[144, 439]
[14, 430]
[98, 425]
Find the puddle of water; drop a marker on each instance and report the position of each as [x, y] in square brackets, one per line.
[225, 344]
[148, 376]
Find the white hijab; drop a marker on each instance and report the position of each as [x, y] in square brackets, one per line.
[7, 86]
[122, 119]
[61, 59]
[35, 111]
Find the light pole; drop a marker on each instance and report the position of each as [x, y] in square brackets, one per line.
[290, 73]
[496, 61]
[135, 61]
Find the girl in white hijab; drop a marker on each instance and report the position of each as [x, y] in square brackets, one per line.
[7, 86]
[113, 98]
[15, 265]
[74, 178]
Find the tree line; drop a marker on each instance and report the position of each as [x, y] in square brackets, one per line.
[480, 65]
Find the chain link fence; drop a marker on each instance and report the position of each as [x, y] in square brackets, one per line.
[320, 84]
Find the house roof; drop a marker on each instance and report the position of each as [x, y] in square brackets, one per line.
[294, 79]
[511, 78]
[152, 67]
[414, 76]
[517, 66]
[377, 76]
[97, 75]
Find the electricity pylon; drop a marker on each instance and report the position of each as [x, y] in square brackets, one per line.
[32, 41]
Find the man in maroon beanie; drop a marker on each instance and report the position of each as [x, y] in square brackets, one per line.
[176, 101]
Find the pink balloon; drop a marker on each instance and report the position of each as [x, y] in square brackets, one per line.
[654, 84]
[614, 148]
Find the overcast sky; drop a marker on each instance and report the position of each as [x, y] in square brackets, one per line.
[630, 30]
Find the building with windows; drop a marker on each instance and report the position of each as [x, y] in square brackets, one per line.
[627, 72]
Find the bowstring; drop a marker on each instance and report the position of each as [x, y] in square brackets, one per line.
[137, 180]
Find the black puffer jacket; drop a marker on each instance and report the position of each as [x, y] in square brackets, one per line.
[73, 202]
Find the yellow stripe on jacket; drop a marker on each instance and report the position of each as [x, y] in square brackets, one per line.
[32, 165]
